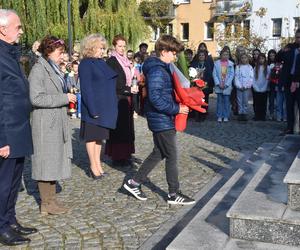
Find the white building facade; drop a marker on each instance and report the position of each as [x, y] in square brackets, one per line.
[281, 20]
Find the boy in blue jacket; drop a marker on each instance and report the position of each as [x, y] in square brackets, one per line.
[160, 110]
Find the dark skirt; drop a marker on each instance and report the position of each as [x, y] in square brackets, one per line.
[120, 145]
[91, 132]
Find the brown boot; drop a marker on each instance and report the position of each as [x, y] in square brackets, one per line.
[48, 199]
[57, 202]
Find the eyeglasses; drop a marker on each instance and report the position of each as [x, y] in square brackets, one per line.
[59, 41]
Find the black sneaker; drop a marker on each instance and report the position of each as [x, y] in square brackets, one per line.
[136, 191]
[180, 199]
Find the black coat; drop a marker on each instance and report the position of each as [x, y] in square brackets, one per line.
[296, 76]
[207, 75]
[122, 89]
[287, 57]
[124, 132]
[15, 106]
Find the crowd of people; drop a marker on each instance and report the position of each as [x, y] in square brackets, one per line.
[271, 78]
[106, 89]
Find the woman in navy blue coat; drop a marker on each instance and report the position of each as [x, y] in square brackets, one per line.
[99, 108]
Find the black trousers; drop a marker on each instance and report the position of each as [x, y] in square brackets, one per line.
[10, 180]
[136, 103]
[260, 105]
[291, 99]
[164, 148]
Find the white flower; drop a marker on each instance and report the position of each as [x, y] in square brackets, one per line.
[193, 72]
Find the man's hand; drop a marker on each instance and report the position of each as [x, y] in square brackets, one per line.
[4, 151]
[183, 109]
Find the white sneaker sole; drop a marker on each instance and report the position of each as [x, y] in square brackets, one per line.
[183, 203]
[134, 194]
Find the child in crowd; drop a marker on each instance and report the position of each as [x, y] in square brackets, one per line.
[223, 74]
[74, 86]
[161, 108]
[279, 90]
[243, 81]
[272, 85]
[260, 87]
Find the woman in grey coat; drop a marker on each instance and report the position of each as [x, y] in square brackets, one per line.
[51, 160]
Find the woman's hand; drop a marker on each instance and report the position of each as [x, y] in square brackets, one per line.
[72, 97]
[5, 151]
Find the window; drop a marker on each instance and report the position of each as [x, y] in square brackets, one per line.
[185, 31]
[170, 29]
[155, 33]
[246, 27]
[209, 31]
[207, 1]
[176, 2]
[297, 23]
[277, 23]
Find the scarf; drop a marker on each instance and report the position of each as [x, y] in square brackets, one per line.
[126, 66]
[60, 75]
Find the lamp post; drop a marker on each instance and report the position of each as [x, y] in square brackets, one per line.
[70, 29]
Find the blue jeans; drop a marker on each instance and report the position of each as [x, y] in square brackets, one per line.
[281, 105]
[242, 100]
[223, 106]
[78, 96]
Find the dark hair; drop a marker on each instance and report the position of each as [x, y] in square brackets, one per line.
[188, 51]
[226, 48]
[75, 63]
[200, 45]
[258, 50]
[257, 65]
[271, 51]
[130, 51]
[50, 44]
[143, 45]
[168, 43]
[118, 38]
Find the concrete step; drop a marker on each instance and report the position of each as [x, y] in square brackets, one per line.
[281, 159]
[292, 179]
[199, 235]
[209, 229]
[260, 213]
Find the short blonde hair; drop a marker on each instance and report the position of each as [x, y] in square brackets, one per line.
[90, 44]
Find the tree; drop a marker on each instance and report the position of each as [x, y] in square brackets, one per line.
[109, 17]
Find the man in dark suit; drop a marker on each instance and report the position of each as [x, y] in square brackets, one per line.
[15, 131]
[288, 56]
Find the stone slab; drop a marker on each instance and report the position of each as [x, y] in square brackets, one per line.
[294, 196]
[275, 232]
[236, 244]
[293, 175]
[199, 234]
[254, 205]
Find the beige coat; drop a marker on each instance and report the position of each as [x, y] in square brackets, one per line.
[50, 129]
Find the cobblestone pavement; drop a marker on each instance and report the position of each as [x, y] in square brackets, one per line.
[105, 217]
